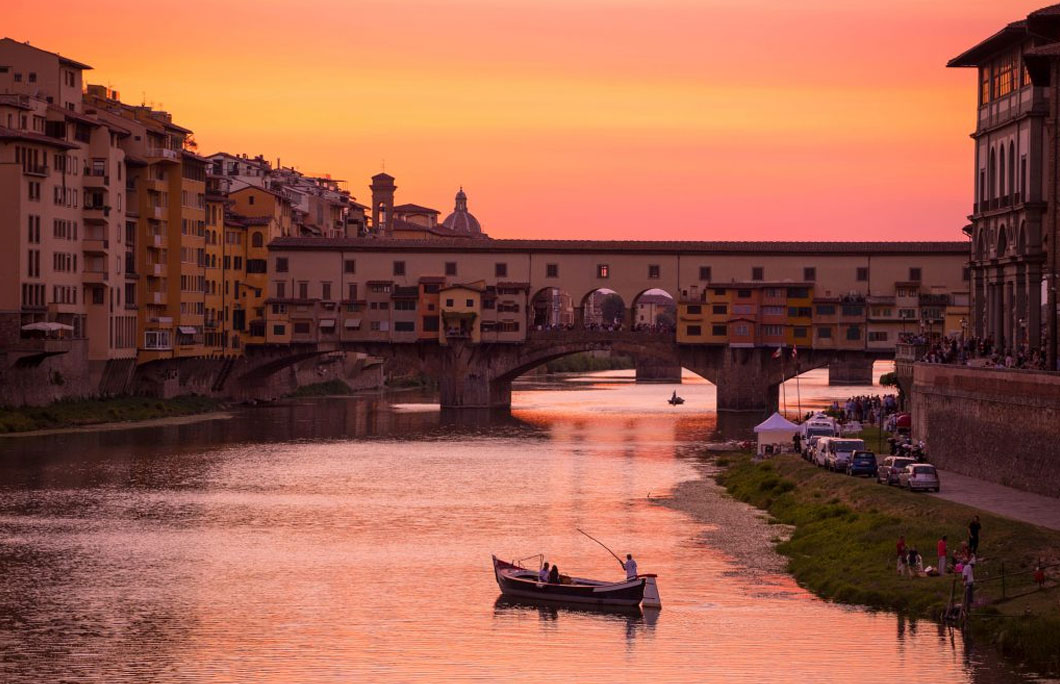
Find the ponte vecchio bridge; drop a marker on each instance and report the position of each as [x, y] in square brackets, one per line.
[477, 313]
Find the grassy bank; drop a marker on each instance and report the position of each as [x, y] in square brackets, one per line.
[323, 389]
[843, 548]
[82, 412]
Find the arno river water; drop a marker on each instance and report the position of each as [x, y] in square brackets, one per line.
[338, 540]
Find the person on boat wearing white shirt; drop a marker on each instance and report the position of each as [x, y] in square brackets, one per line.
[630, 566]
[542, 574]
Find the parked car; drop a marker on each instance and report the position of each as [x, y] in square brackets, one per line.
[887, 473]
[862, 463]
[838, 450]
[919, 476]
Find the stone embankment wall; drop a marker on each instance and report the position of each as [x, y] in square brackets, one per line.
[994, 424]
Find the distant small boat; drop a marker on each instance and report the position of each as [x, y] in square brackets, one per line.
[519, 582]
[675, 400]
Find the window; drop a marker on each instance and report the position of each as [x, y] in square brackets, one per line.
[719, 330]
[430, 324]
[325, 290]
[743, 294]
[758, 273]
[251, 201]
[773, 330]
[351, 291]
[853, 310]
[720, 309]
[399, 268]
[281, 264]
[863, 274]
[809, 273]
[449, 302]
[773, 310]
[500, 270]
[966, 273]
[826, 309]
[551, 270]
[854, 332]
[914, 275]
[469, 302]
[301, 328]
[602, 270]
[405, 305]
[742, 309]
[450, 268]
[742, 329]
[653, 271]
[349, 266]
[878, 336]
[799, 312]
[824, 333]
[694, 309]
[800, 332]
[694, 330]
[279, 330]
[303, 290]
[704, 273]
[405, 326]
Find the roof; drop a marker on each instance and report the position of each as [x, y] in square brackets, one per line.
[776, 422]
[459, 245]
[14, 134]
[1015, 32]
[415, 209]
[64, 60]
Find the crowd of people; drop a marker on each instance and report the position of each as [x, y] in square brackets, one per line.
[653, 328]
[910, 563]
[866, 408]
[980, 351]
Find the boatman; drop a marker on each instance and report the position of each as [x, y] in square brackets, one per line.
[542, 574]
[630, 566]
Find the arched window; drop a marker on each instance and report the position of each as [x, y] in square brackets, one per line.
[1011, 168]
[993, 174]
[980, 245]
[1001, 172]
[1002, 241]
[1021, 239]
[257, 240]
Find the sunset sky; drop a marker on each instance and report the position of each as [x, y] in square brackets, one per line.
[650, 119]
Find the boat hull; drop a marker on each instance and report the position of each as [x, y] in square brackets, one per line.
[518, 582]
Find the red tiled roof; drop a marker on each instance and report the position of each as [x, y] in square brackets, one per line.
[986, 49]
[13, 134]
[415, 209]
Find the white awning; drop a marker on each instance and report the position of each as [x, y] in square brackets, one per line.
[352, 323]
[327, 323]
[187, 330]
[47, 326]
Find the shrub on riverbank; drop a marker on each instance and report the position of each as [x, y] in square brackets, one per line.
[81, 412]
[843, 548]
[587, 363]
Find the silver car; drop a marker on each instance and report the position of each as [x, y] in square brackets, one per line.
[919, 476]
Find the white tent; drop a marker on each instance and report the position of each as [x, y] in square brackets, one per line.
[47, 326]
[777, 431]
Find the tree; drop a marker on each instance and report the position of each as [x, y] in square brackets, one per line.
[613, 309]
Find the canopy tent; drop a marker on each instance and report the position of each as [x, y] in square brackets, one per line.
[776, 432]
[47, 326]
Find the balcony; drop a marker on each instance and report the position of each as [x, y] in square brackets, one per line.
[95, 277]
[158, 241]
[158, 298]
[42, 345]
[96, 180]
[96, 213]
[157, 270]
[157, 213]
[39, 170]
[163, 153]
[95, 246]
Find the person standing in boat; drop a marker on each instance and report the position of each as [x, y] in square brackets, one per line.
[553, 575]
[630, 566]
[542, 574]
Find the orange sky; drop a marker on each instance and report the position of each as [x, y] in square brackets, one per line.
[675, 119]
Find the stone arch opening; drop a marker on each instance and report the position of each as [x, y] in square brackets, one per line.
[654, 310]
[551, 308]
[1002, 241]
[980, 245]
[603, 309]
[1021, 239]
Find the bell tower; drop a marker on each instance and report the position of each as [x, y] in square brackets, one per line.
[382, 188]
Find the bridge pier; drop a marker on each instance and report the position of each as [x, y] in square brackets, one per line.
[655, 369]
[851, 370]
[747, 379]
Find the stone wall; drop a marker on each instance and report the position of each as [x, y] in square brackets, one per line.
[994, 424]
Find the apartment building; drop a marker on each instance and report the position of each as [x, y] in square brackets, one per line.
[62, 211]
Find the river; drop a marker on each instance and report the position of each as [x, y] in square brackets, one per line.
[335, 540]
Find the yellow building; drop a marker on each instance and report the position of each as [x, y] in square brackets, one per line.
[461, 310]
[265, 215]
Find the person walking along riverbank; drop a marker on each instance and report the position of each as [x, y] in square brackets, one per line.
[941, 547]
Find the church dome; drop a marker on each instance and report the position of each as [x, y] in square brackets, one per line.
[461, 221]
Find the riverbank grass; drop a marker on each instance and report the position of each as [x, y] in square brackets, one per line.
[843, 548]
[83, 412]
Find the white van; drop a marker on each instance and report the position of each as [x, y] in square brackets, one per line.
[834, 453]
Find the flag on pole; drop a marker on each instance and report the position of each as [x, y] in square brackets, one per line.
[794, 352]
[778, 352]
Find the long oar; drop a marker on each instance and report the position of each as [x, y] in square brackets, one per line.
[603, 545]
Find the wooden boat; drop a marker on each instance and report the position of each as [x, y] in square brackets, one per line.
[516, 581]
[675, 400]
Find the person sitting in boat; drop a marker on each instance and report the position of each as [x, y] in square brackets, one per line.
[542, 574]
[630, 566]
[553, 575]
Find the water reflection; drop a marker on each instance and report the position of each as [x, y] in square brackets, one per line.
[345, 539]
